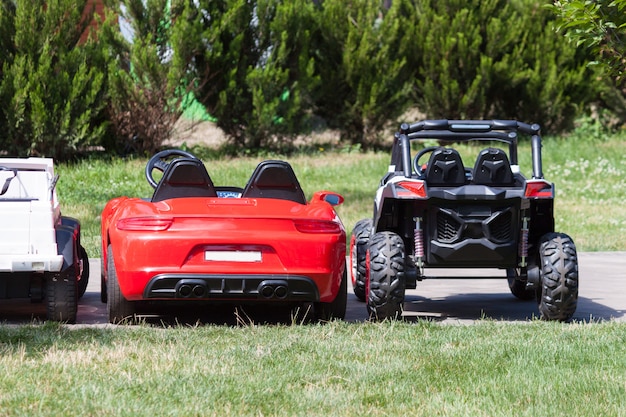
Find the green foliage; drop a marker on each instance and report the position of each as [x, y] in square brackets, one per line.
[283, 79]
[251, 63]
[145, 87]
[362, 54]
[52, 84]
[269, 70]
[599, 26]
[497, 59]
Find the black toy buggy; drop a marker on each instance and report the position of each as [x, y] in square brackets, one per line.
[438, 213]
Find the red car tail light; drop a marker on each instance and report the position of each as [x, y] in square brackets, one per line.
[317, 226]
[411, 189]
[149, 224]
[539, 189]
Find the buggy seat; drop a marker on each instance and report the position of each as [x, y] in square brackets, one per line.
[445, 168]
[492, 168]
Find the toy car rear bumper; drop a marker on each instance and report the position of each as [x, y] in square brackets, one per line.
[472, 253]
[30, 263]
[232, 287]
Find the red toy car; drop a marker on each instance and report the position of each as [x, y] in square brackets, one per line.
[193, 241]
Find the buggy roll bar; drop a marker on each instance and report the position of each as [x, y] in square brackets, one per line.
[466, 130]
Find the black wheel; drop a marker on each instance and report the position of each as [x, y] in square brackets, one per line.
[557, 294]
[417, 168]
[61, 296]
[103, 282]
[83, 280]
[118, 307]
[159, 161]
[358, 247]
[336, 309]
[62, 287]
[385, 284]
[518, 286]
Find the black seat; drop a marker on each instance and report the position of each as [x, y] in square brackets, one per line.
[445, 168]
[274, 179]
[493, 168]
[184, 178]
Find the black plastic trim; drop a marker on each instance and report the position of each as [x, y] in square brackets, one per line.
[234, 287]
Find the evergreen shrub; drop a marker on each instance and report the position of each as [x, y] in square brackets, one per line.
[52, 80]
[498, 59]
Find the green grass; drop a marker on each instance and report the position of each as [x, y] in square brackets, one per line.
[590, 178]
[339, 369]
[590, 182]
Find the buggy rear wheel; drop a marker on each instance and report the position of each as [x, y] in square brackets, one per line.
[358, 246]
[119, 308]
[385, 284]
[557, 294]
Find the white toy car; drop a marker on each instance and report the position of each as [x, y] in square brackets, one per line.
[40, 252]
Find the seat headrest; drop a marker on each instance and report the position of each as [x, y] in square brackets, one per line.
[445, 168]
[184, 178]
[493, 168]
[274, 179]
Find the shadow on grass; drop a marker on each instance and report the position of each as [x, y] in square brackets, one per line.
[168, 315]
[468, 307]
[498, 307]
[464, 307]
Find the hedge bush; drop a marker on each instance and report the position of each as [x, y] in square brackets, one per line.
[270, 70]
[497, 59]
[357, 66]
[52, 81]
[146, 89]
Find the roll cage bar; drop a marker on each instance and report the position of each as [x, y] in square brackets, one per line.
[462, 131]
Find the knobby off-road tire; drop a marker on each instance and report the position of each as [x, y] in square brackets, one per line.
[61, 296]
[557, 294]
[336, 309]
[358, 247]
[518, 287]
[385, 276]
[119, 309]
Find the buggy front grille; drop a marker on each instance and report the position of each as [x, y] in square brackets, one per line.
[448, 227]
[454, 224]
[501, 226]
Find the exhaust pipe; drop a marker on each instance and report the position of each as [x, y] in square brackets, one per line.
[185, 291]
[267, 291]
[273, 289]
[199, 291]
[281, 292]
[191, 288]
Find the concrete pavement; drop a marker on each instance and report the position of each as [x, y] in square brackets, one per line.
[602, 297]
